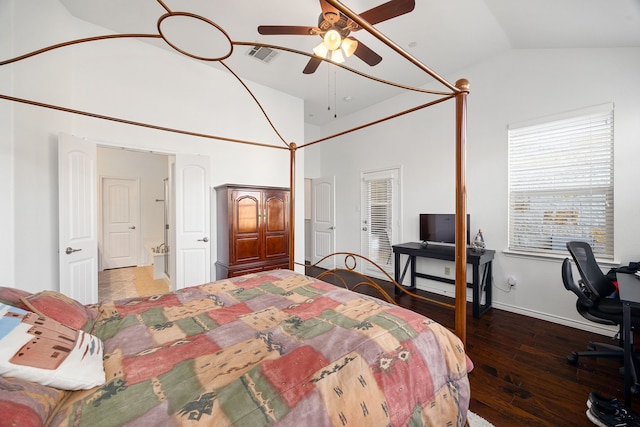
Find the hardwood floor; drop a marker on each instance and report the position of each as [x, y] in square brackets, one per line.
[521, 376]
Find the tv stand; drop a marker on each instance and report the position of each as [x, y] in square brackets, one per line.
[447, 253]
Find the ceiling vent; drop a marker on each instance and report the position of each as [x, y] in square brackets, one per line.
[263, 54]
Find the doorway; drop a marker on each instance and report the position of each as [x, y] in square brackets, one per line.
[132, 212]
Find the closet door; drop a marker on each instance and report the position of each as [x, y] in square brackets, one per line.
[276, 224]
[246, 232]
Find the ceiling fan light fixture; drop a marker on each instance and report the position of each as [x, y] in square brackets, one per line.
[349, 46]
[332, 40]
[336, 56]
[321, 50]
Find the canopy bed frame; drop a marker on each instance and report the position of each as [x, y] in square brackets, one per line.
[265, 348]
[457, 92]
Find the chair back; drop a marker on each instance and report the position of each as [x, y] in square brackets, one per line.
[571, 285]
[592, 276]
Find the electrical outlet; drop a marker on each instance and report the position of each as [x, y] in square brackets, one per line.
[447, 271]
[511, 280]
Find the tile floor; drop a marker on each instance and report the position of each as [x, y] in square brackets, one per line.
[129, 282]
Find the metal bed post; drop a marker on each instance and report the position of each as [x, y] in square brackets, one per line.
[461, 210]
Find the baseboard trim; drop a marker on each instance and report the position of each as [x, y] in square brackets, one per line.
[576, 324]
[608, 331]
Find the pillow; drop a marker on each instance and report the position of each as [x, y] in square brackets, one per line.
[39, 349]
[11, 296]
[61, 308]
[27, 404]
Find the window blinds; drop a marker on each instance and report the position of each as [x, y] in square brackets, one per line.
[561, 184]
[379, 194]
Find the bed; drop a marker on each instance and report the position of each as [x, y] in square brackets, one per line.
[275, 348]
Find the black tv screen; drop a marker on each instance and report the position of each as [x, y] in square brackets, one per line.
[440, 228]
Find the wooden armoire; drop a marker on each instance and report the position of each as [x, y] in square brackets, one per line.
[252, 229]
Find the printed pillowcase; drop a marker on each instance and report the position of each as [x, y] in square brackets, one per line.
[61, 308]
[11, 296]
[39, 349]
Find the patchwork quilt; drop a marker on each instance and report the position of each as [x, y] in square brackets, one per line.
[274, 348]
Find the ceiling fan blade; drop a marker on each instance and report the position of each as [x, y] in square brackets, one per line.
[270, 30]
[388, 10]
[366, 54]
[330, 13]
[312, 65]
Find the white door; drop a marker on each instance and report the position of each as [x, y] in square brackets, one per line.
[78, 243]
[323, 225]
[380, 217]
[192, 252]
[120, 222]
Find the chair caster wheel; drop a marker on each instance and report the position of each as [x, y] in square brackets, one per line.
[572, 358]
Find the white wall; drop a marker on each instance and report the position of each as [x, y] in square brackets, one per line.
[516, 86]
[131, 80]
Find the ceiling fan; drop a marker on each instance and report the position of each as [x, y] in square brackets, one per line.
[335, 29]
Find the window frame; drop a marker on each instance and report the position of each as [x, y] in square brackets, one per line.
[561, 182]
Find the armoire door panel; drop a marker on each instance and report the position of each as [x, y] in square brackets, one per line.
[247, 250]
[276, 246]
[276, 215]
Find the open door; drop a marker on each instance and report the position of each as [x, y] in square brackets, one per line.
[323, 217]
[192, 218]
[78, 243]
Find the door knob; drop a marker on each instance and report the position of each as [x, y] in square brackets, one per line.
[133, 227]
[205, 239]
[332, 228]
[70, 250]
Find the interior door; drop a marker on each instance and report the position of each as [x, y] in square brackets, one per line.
[192, 252]
[323, 217]
[78, 243]
[121, 222]
[380, 218]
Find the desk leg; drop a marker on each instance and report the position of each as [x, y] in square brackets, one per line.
[413, 272]
[476, 291]
[399, 278]
[626, 336]
[396, 273]
[478, 284]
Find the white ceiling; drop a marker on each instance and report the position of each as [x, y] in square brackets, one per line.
[445, 35]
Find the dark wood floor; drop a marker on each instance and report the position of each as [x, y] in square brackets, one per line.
[521, 376]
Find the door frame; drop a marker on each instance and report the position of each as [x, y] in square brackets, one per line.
[101, 239]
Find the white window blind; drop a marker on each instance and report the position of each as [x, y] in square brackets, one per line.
[378, 221]
[561, 183]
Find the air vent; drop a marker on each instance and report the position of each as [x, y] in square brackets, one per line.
[263, 54]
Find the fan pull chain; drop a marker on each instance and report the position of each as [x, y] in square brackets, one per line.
[328, 88]
[335, 91]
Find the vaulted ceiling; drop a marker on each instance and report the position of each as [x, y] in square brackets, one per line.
[447, 36]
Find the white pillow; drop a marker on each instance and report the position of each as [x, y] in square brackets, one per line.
[39, 349]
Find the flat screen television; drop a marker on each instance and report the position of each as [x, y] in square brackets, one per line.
[440, 228]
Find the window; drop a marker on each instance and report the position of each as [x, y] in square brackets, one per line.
[561, 183]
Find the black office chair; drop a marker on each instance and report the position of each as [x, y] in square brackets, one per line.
[603, 312]
[593, 304]
[598, 284]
